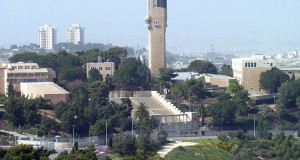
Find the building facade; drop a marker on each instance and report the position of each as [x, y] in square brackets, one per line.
[15, 73]
[47, 37]
[156, 22]
[75, 34]
[105, 68]
[247, 71]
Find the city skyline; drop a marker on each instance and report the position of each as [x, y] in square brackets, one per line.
[123, 24]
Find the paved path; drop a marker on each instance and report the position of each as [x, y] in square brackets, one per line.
[170, 146]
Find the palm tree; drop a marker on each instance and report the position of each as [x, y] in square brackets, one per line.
[141, 112]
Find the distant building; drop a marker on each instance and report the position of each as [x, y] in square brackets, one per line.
[156, 22]
[106, 69]
[15, 73]
[219, 80]
[47, 37]
[49, 91]
[290, 70]
[183, 76]
[75, 34]
[247, 71]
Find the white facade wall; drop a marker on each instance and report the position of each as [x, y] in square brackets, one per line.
[75, 34]
[47, 37]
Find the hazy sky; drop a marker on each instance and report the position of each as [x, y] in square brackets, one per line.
[123, 20]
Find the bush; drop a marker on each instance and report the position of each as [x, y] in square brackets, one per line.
[222, 138]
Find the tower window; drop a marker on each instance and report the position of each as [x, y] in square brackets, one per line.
[162, 3]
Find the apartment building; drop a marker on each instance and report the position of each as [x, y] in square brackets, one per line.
[47, 37]
[75, 34]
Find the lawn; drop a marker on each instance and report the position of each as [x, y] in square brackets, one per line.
[204, 150]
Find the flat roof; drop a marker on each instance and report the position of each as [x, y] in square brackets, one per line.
[187, 75]
[43, 88]
[219, 76]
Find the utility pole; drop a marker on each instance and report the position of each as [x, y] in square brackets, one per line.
[132, 126]
[36, 130]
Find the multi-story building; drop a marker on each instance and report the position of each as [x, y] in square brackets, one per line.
[47, 37]
[156, 22]
[106, 69]
[15, 73]
[75, 34]
[247, 71]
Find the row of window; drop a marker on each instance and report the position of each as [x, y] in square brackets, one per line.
[26, 80]
[27, 75]
[250, 64]
[24, 67]
[100, 68]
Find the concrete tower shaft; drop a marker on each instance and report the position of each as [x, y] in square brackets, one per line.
[156, 22]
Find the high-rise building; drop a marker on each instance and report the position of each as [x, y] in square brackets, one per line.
[75, 34]
[156, 22]
[47, 37]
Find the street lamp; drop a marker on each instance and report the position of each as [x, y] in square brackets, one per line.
[90, 134]
[73, 134]
[254, 126]
[36, 130]
[274, 99]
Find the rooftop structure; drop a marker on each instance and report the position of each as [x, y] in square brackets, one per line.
[105, 68]
[50, 91]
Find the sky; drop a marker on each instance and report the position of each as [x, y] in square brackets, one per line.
[123, 20]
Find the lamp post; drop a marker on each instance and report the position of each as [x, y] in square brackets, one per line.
[73, 134]
[106, 133]
[36, 130]
[90, 134]
[132, 127]
[254, 126]
[274, 99]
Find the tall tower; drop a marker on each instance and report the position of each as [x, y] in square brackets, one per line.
[75, 34]
[156, 22]
[47, 37]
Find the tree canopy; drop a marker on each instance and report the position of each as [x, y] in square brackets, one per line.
[202, 67]
[271, 80]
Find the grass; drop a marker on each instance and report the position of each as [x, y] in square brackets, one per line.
[204, 150]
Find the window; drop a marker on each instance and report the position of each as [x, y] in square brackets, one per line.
[162, 3]
[271, 64]
[17, 75]
[245, 64]
[251, 64]
[255, 64]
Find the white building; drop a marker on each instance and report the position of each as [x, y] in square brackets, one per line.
[47, 37]
[75, 34]
[247, 71]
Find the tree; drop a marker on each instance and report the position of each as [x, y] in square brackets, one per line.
[233, 88]
[26, 152]
[202, 67]
[272, 79]
[94, 75]
[132, 75]
[124, 145]
[165, 76]
[222, 113]
[195, 91]
[10, 90]
[226, 70]
[178, 92]
[289, 92]
[141, 112]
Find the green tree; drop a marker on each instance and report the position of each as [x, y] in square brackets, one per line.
[222, 113]
[141, 112]
[272, 79]
[226, 70]
[94, 75]
[124, 145]
[178, 92]
[289, 92]
[26, 152]
[233, 88]
[165, 76]
[195, 91]
[202, 67]
[132, 75]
